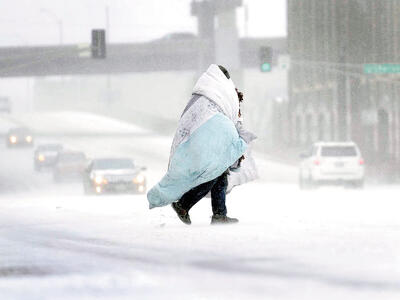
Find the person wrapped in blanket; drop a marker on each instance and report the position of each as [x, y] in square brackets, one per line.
[210, 152]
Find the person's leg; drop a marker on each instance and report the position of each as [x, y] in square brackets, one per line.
[190, 198]
[218, 195]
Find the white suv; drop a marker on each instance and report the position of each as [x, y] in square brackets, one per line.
[332, 163]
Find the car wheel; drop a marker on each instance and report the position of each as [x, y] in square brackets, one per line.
[87, 190]
[302, 184]
[311, 184]
[307, 183]
[302, 180]
[56, 177]
[359, 184]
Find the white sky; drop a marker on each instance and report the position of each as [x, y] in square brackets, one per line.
[34, 22]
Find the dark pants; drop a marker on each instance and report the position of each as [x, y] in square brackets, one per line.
[217, 187]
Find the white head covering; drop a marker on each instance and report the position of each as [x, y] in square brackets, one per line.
[214, 85]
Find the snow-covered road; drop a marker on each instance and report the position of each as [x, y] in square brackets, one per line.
[56, 243]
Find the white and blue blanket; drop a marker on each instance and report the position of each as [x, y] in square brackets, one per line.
[206, 142]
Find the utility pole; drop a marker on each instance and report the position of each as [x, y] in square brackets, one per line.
[342, 79]
[58, 21]
[246, 21]
[107, 23]
[60, 30]
[342, 104]
[108, 76]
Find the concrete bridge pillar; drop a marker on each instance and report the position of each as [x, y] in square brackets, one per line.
[218, 34]
[227, 40]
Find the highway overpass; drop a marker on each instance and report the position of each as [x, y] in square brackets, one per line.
[160, 55]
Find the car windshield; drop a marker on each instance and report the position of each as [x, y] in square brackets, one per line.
[341, 151]
[72, 157]
[21, 131]
[113, 164]
[50, 148]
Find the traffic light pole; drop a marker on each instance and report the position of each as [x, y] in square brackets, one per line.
[342, 106]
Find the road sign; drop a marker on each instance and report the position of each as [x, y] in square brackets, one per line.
[381, 68]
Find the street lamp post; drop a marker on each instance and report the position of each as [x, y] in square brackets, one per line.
[58, 21]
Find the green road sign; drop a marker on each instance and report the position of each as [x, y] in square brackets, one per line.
[381, 68]
[265, 67]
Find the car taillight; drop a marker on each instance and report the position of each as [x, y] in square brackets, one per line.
[361, 161]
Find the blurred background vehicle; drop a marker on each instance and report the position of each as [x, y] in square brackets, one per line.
[69, 166]
[332, 163]
[114, 175]
[45, 156]
[5, 105]
[19, 136]
[179, 36]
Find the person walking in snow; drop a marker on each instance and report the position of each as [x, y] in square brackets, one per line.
[208, 142]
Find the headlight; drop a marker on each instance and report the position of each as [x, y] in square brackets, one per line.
[41, 157]
[99, 179]
[28, 139]
[139, 179]
[13, 139]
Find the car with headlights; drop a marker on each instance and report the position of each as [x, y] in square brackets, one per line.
[19, 137]
[45, 156]
[329, 163]
[114, 175]
[69, 165]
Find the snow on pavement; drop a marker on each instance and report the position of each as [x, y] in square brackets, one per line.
[326, 244]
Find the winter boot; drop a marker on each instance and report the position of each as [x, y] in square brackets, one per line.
[182, 213]
[221, 219]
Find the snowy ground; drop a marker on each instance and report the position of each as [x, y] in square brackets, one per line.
[56, 243]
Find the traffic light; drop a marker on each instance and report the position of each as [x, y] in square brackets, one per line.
[98, 43]
[265, 59]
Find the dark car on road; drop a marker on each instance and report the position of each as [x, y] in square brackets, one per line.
[69, 165]
[45, 156]
[19, 137]
[114, 175]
